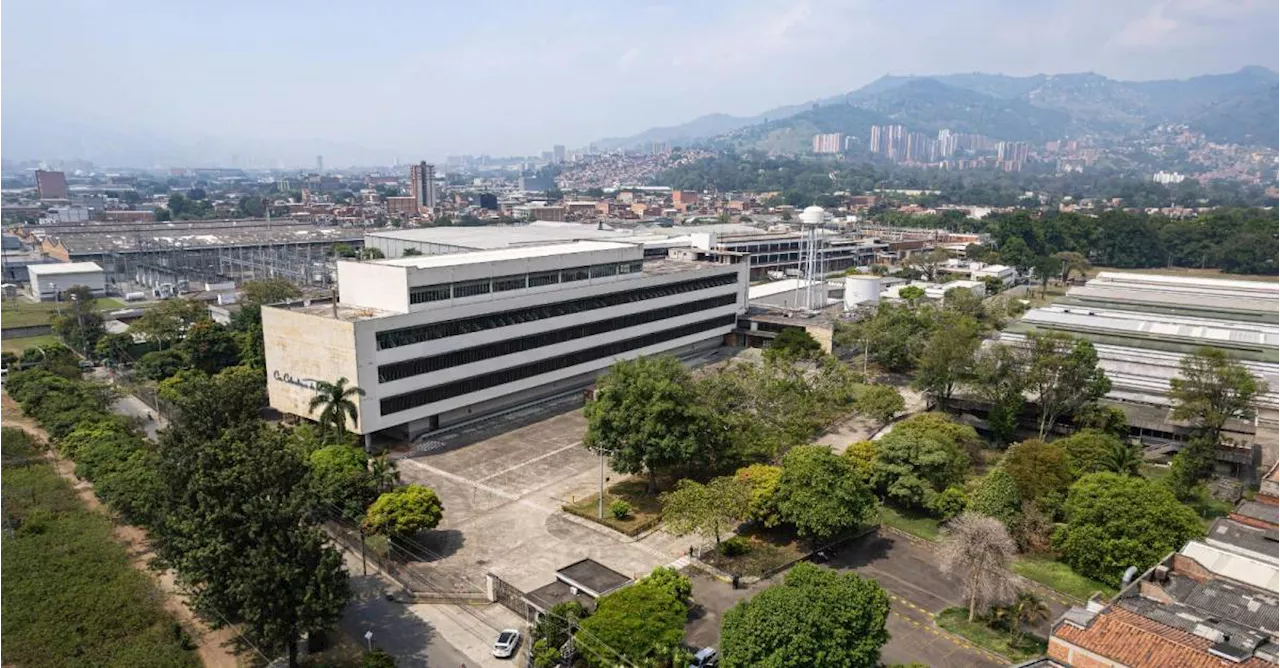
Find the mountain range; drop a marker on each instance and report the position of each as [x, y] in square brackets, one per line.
[1238, 107]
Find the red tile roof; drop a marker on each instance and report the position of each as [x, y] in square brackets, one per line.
[1134, 640]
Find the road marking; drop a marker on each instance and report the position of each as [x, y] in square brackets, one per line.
[460, 479]
[535, 459]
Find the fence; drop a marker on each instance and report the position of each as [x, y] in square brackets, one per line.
[419, 581]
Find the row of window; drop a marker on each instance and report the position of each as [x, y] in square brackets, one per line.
[408, 400]
[421, 365]
[405, 336]
[439, 292]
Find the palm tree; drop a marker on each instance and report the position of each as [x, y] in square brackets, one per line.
[1120, 458]
[335, 400]
[1027, 609]
[385, 474]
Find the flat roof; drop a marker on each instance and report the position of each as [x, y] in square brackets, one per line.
[501, 254]
[1189, 281]
[492, 237]
[593, 576]
[779, 287]
[54, 269]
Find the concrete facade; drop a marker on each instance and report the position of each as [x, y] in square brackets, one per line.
[438, 340]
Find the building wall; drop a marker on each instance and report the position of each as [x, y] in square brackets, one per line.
[301, 349]
[46, 288]
[1076, 657]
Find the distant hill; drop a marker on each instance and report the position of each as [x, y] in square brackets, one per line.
[1248, 118]
[1238, 106]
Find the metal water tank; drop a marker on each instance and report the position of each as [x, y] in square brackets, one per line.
[861, 290]
[813, 215]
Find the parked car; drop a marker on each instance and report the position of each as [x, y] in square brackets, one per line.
[705, 658]
[505, 646]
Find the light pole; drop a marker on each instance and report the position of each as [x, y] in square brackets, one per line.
[601, 501]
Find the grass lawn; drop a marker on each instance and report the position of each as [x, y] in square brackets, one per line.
[646, 509]
[16, 346]
[1059, 577]
[69, 594]
[956, 620]
[768, 549]
[22, 313]
[914, 523]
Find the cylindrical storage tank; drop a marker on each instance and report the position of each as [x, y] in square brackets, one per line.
[813, 215]
[861, 290]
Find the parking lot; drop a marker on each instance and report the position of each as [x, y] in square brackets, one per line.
[502, 482]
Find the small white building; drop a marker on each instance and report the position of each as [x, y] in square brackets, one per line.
[978, 288]
[1006, 274]
[48, 280]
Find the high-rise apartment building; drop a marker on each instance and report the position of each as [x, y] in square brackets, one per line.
[557, 153]
[51, 185]
[946, 143]
[319, 164]
[828, 143]
[422, 186]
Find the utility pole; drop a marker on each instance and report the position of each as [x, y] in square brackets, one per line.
[601, 503]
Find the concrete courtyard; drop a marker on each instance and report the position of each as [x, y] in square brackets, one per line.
[503, 482]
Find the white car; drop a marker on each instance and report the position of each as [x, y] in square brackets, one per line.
[506, 644]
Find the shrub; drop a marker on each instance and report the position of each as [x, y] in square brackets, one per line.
[735, 547]
[619, 509]
[948, 503]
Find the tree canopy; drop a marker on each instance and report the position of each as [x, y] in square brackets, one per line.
[815, 618]
[922, 457]
[821, 493]
[1064, 375]
[404, 512]
[1114, 522]
[641, 622]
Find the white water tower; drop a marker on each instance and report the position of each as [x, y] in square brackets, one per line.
[810, 265]
[859, 290]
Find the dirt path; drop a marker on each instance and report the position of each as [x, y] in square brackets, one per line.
[216, 647]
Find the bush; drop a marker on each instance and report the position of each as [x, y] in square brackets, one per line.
[922, 457]
[735, 547]
[619, 509]
[404, 512]
[948, 503]
[1114, 522]
[762, 481]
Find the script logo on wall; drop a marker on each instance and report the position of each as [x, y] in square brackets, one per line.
[308, 383]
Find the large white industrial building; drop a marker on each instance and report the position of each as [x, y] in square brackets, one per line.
[1142, 325]
[436, 340]
[50, 280]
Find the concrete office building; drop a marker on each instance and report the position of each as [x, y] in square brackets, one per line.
[422, 186]
[438, 340]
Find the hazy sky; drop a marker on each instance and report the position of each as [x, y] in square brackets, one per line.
[420, 79]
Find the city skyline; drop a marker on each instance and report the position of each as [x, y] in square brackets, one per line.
[279, 83]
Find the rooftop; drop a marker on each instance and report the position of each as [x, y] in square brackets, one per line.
[1131, 639]
[60, 268]
[1266, 512]
[592, 577]
[498, 236]
[500, 254]
[1262, 543]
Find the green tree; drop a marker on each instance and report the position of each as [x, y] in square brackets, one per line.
[761, 481]
[556, 627]
[208, 404]
[1072, 262]
[1122, 458]
[816, 618]
[1114, 522]
[1017, 254]
[999, 380]
[1046, 267]
[160, 364]
[647, 417]
[378, 658]
[1211, 390]
[167, 322]
[403, 513]
[265, 291]
[670, 580]
[336, 405]
[911, 293]
[793, 344]
[371, 253]
[879, 402]
[709, 510]
[235, 528]
[1086, 450]
[947, 358]
[996, 496]
[410, 252]
[821, 494]
[1040, 471]
[1064, 375]
[208, 347]
[113, 346]
[921, 457]
[1027, 610]
[632, 626]
[341, 481]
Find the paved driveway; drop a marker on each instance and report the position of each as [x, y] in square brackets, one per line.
[503, 482]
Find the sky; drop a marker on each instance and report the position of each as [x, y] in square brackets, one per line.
[267, 83]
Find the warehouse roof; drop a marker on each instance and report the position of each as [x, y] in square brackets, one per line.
[60, 268]
[497, 236]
